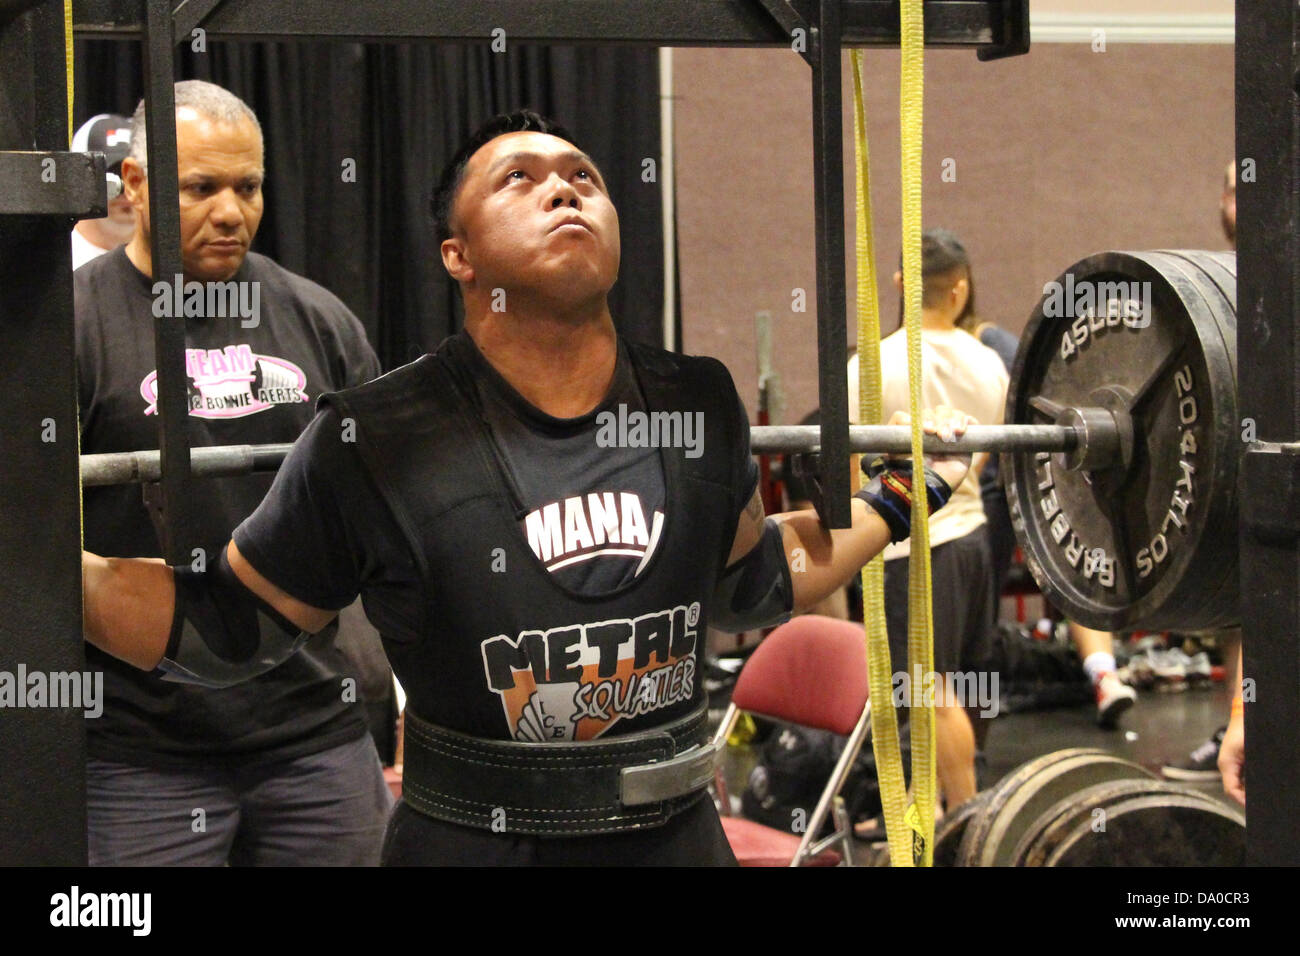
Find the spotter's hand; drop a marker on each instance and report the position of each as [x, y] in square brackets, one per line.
[949, 424]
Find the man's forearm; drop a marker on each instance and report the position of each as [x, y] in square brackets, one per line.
[128, 604]
[822, 561]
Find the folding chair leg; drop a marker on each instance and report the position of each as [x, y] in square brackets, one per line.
[844, 826]
[720, 738]
[833, 786]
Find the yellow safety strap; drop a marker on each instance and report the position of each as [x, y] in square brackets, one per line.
[910, 828]
[67, 57]
[884, 720]
[920, 633]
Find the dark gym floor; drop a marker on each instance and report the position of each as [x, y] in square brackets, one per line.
[1160, 727]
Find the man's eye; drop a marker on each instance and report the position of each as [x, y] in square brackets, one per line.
[584, 174]
[515, 172]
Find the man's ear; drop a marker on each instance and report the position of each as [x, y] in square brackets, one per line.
[134, 182]
[454, 260]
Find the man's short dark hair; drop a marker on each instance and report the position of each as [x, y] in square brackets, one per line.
[453, 174]
[944, 260]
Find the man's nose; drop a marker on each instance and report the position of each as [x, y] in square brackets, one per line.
[226, 208]
[565, 194]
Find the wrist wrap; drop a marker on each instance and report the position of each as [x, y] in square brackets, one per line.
[888, 492]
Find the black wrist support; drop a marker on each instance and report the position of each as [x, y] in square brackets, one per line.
[888, 492]
[222, 633]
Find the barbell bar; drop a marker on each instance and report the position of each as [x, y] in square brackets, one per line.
[134, 467]
[216, 461]
[1119, 457]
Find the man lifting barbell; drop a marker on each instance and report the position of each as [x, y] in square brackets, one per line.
[537, 575]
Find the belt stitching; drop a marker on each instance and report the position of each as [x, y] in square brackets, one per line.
[434, 740]
[640, 814]
[447, 749]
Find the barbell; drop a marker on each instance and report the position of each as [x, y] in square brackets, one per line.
[133, 467]
[1119, 460]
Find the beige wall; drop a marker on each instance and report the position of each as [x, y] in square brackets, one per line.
[1132, 7]
[1058, 154]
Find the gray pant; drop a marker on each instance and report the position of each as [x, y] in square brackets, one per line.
[323, 809]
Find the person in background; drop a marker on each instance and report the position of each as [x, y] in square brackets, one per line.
[110, 134]
[960, 372]
[281, 770]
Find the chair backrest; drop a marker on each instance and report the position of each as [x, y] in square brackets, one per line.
[812, 670]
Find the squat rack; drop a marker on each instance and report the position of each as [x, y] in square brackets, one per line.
[1267, 35]
[818, 29]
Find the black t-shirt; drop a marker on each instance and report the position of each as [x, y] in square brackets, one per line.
[594, 514]
[247, 386]
[1001, 341]
[324, 533]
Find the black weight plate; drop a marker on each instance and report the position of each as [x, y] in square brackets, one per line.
[1005, 826]
[1152, 546]
[1158, 830]
[950, 830]
[976, 830]
[1043, 835]
[1215, 274]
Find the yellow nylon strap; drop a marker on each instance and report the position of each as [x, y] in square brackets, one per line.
[884, 719]
[920, 634]
[67, 57]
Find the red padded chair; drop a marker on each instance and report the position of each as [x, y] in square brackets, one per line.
[812, 670]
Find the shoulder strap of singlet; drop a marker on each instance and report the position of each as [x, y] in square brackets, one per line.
[419, 437]
[693, 384]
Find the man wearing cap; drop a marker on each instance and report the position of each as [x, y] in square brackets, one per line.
[109, 134]
[281, 770]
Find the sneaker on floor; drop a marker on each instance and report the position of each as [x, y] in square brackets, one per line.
[1170, 668]
[1201, 764]
[1113, 698]
[1199, 672]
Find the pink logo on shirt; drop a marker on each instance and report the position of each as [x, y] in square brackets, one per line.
[233, 382]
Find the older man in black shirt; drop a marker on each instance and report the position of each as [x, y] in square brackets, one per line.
[281, 769]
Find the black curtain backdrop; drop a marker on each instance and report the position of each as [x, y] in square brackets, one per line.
[400, 111]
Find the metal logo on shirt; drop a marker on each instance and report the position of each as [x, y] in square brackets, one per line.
[233, 382]
[577, 681]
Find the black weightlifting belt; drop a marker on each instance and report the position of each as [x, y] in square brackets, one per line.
[557, 789]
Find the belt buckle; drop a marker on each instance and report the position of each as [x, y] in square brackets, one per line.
[685, 773]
